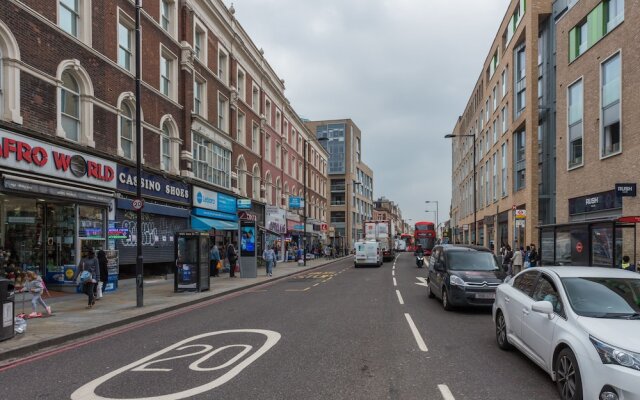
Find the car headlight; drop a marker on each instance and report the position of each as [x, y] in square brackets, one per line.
[456, 280]
[613, 355]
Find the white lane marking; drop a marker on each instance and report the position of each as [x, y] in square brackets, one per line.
[421, 344]
[87, 392]
[399, 297]
[446, 393]
[394, 282]
[393, 272]
[423, 281]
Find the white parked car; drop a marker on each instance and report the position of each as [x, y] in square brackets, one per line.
[368, 252]
[580, 324]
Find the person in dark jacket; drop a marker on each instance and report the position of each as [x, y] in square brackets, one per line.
[232, 256]
[90, 264]
[104, 272]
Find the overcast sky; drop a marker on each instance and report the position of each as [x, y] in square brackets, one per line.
[403, 70]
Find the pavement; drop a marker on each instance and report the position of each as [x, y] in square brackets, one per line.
[71, 319]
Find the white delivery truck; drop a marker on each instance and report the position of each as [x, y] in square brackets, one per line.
[368, 253]
[380, 231]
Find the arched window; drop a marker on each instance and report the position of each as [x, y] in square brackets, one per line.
[242, 176]
[278, 202]
[169, 145]
[9, 76]
[286, 195]
[75, 103]
[256, 182]
[268, 188]
[127, 139]
[70, 107]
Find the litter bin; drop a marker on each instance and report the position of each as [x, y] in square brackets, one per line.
[7, 309]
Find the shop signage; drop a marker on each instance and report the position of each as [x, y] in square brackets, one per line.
[23, 153]
[55, 191]
[276, 219]
[153, 185]
[296, 202]
[595, 202]
[630, 219]
[465, 227]
[579, 247]
[244, 204]
[324, 227]
[202, 212]
[118, 233]
[247, 216]
[215, 201]
[521, 214]
[626, 189]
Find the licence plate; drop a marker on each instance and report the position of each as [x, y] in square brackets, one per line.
[485, 295]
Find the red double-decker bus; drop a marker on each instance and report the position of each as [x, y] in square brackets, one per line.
[425, 236]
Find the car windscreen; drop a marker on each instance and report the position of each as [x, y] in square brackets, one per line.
[471, 261]
[604, 297]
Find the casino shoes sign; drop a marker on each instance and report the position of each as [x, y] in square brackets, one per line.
[26, 154]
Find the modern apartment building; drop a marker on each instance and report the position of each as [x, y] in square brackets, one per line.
[351, 180]
[509, 119]
[216, 126]
[598, 142]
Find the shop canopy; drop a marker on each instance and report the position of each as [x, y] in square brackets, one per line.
[205, 224]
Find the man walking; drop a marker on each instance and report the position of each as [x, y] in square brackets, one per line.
[232, 256]
[214, 257]
[516, 261]
[270, 258]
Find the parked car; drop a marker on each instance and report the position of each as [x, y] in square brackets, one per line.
[462, 275]
[579, 324]
[368, 252]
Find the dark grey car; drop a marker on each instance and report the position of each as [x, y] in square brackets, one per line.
[462, 275]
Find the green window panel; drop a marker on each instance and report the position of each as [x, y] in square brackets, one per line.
[573, 44]
[595, 24]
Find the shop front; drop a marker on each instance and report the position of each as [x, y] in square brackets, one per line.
[503, 228]
[54, 205]
[295, 230]
[215, 213]
[166, 211]
[489, 223]
[275, 228]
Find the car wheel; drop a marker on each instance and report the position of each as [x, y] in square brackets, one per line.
[501, 332]
[568, 378]
[429, 292]
[445, 300]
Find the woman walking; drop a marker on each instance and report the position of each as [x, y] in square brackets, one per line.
[89, 264]
[270, 258]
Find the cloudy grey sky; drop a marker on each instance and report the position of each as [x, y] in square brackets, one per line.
[403, 70]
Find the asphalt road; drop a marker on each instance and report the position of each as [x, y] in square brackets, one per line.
[332, 333]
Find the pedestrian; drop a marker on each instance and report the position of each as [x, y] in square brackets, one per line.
[333, 252]
[527, 257]
[35, 286]
[89, 264]
[626, 264]
[269, 256]
[232, 256]
[507, 258]
[104, 273]
[214, 257]
[516, 262]
[533, 256]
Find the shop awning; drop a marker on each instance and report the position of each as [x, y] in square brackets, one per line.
[205, 224]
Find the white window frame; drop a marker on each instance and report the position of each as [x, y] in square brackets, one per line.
[129, 24]
[255, 182]
[241, 76]
[199, 81]
[241, 167]
[504, 82]
[255, 138]
[9, 76]
[172, 28]
[200, 29]
[85, 136]
[267, 111]
[84, 26]
[223, 65]
[267, 148]
[216, 163]
[223, 113]
[129, 101]
[174, 143]
[278, 154]
[568, 124]
[617, 53]
[173, 73]
[241, 128]
[278, 121]
[255, 98]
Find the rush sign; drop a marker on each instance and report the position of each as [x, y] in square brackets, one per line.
[23, 153]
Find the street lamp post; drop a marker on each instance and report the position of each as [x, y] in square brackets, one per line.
[139, 259]
[475, 206]
[437, 213]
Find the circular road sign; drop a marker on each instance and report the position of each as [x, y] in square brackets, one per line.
[137, 204]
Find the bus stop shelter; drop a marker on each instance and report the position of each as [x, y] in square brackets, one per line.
[600, 242]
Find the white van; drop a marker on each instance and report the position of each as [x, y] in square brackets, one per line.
[368, 252]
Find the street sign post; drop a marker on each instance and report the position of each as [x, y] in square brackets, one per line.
[137, 204]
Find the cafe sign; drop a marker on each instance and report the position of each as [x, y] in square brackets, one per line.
[26, 154]
[153, 185]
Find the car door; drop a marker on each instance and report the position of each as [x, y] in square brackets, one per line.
[517, 299]
[435, 277]
[537, 329]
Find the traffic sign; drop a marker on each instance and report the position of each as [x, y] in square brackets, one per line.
[137, 204]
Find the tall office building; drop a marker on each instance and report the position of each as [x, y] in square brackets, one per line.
[350, 179]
